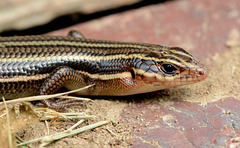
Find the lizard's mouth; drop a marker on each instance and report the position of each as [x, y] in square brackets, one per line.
[192, 75]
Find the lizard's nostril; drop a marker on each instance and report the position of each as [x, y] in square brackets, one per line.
[200, 73]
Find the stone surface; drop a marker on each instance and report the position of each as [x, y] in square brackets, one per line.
[185, 124]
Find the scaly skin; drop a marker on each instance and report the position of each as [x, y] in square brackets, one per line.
[36, 65]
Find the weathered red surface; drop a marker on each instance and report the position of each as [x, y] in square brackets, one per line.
[185, 124]
[202, 26]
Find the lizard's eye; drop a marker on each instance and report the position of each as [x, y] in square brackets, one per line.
[168, 68]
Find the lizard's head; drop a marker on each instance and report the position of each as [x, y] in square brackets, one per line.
[166, 67]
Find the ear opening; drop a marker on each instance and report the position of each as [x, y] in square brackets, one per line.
[133, 73]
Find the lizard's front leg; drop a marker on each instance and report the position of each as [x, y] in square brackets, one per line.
[59, 78]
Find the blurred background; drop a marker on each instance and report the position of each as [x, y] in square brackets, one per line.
[37, 17]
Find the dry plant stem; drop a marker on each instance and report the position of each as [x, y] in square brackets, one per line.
[75, 125]
[80, 117]
[47, 126]
[2, 115]
[43, 97]
[111, 132]
[62, 116]
[76, 98]
[19, 140]
[48, 114]
[73, 114]
[69, 117]
[51, 138]
[8, 124]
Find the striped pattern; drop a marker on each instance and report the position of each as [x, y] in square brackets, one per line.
[34, 58]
